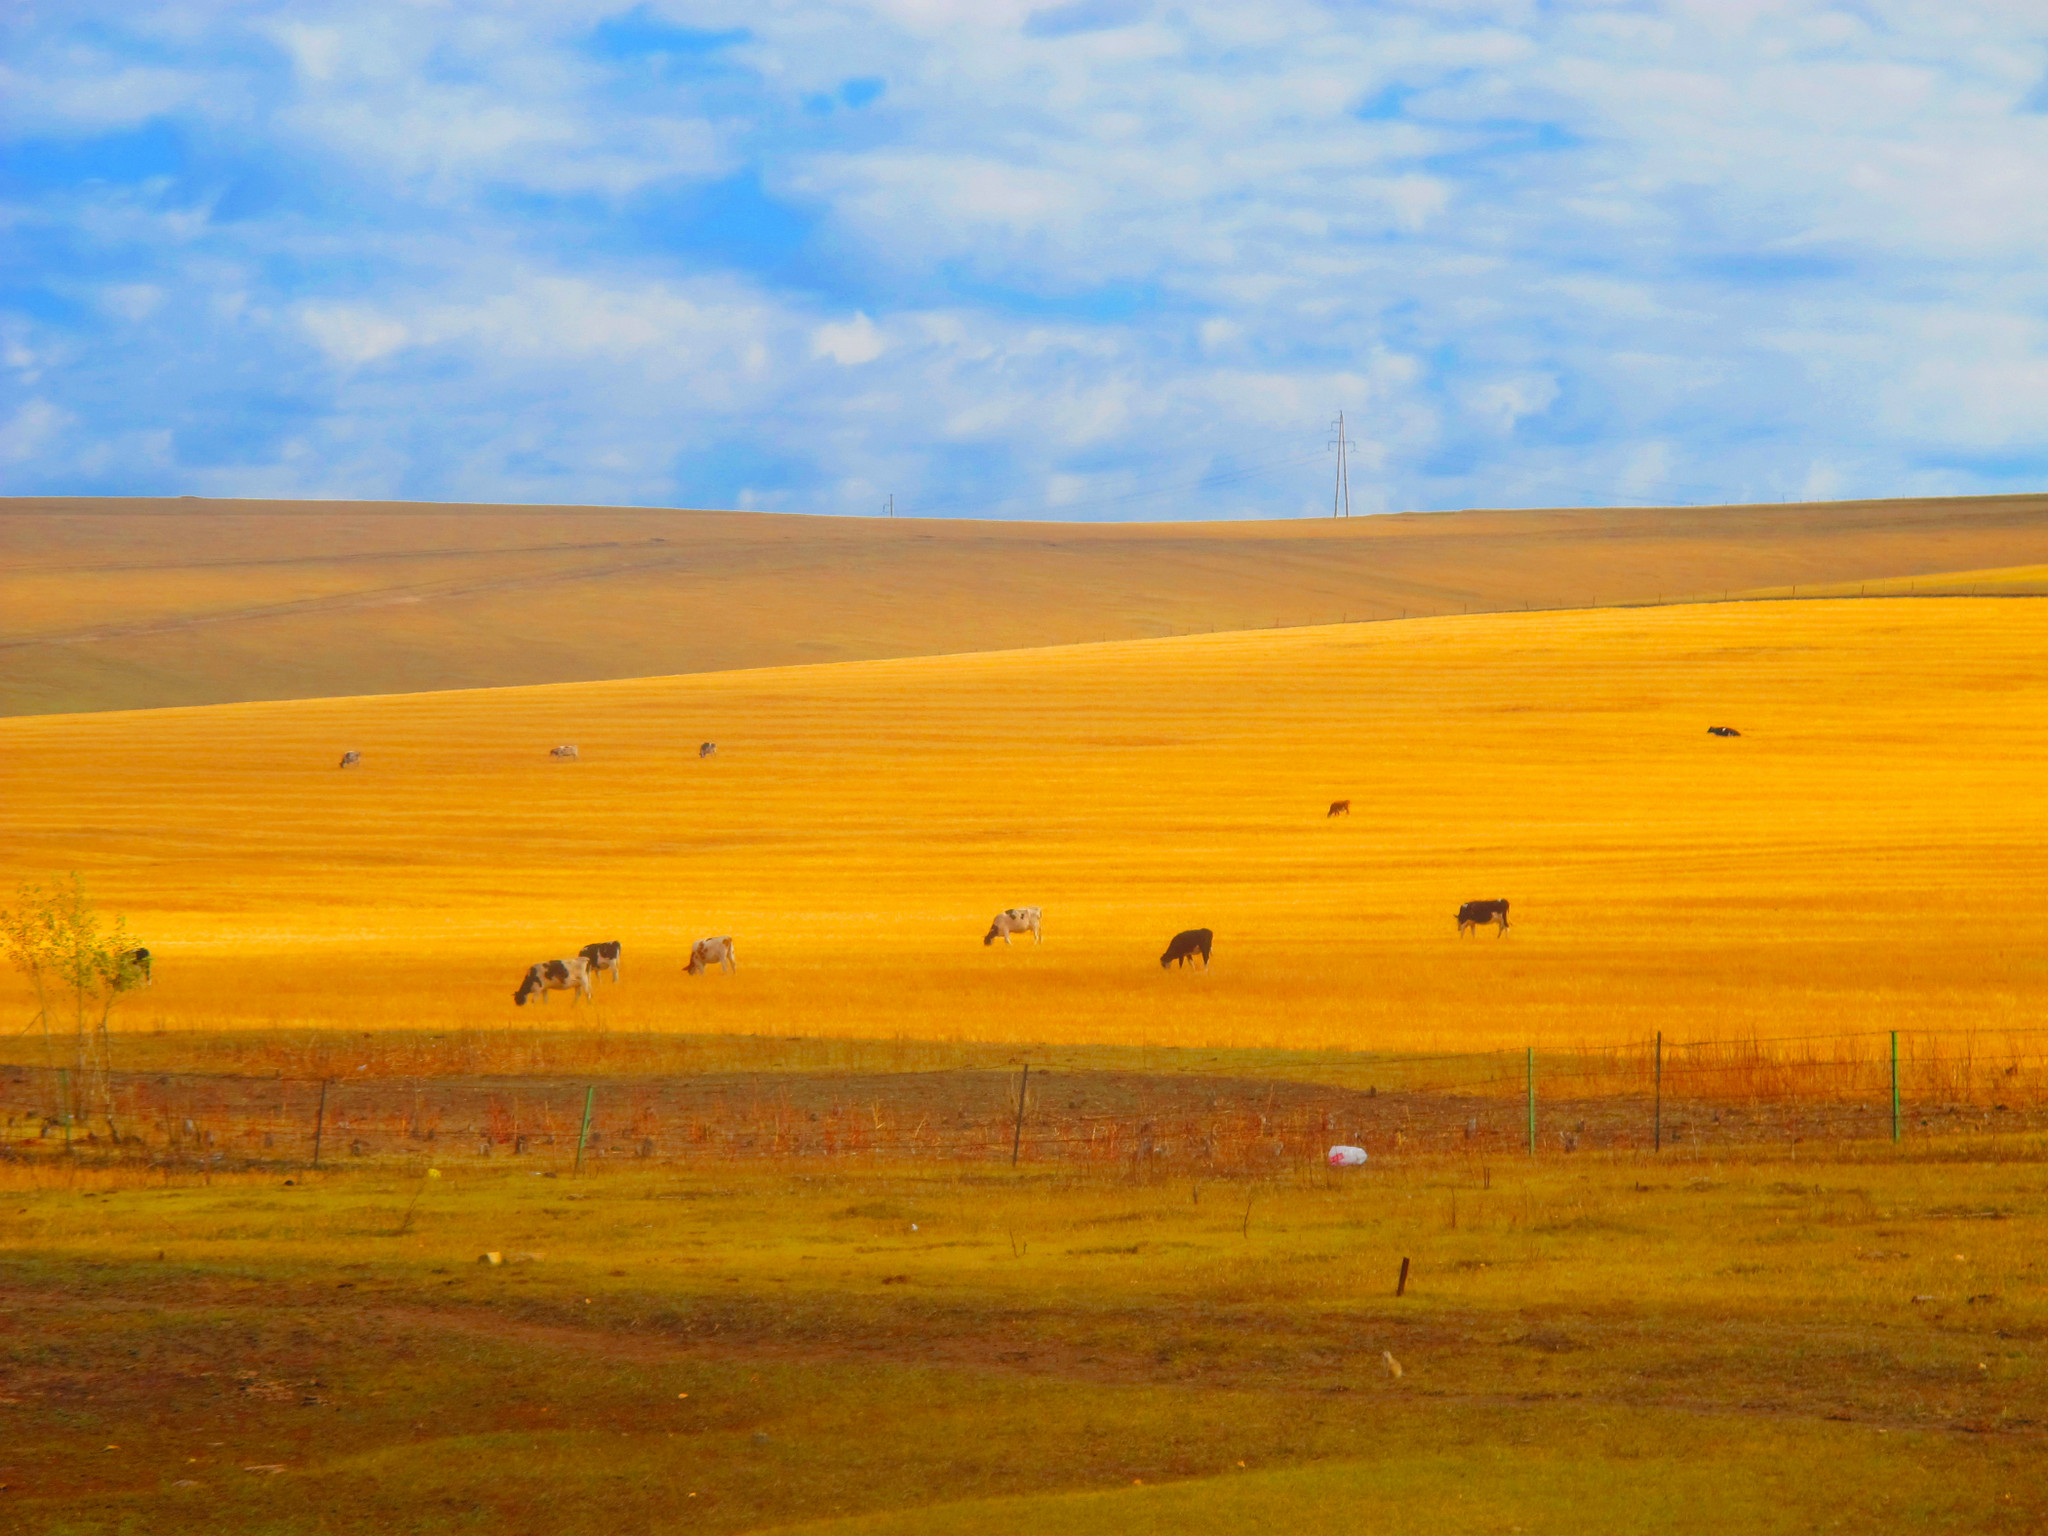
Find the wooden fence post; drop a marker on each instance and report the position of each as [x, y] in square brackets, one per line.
[64, 1104]
[1017, 1137]
[1401, 1285]
[1657, 1144]
[589, 1102]
[319, 1122]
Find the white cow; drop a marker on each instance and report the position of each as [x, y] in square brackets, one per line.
[1014, 920]
[555, 976]
[562, 751]
[706, 953]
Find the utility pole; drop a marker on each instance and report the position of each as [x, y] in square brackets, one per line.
[1340, 493]
[892, 503]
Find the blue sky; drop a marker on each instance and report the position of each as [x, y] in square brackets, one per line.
[1093, 259]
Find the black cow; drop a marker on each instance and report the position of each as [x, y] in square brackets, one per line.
[1186, 946]
[135, 963]
[1477, 914]
[1722, 730]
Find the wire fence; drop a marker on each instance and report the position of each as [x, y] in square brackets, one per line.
[1877, 1087]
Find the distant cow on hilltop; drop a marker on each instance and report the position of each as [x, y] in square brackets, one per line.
[709, 749]
[1722, 730]
[1339, 808]
[554, 976]
[565, 750]
[1185, 946]
[1014, 920]
[349, 759]
[1477, 914]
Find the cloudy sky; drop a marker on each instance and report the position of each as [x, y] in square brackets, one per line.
[1091, 259]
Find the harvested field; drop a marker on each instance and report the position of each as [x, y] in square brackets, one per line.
[111, 603]
[1844, 869]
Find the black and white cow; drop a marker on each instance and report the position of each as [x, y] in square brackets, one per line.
[1477, 914]
[350, 759]
[1185, 946]
[602, 957]
[135, 968]
[1015, 920]
[565, 750]
[709, 749]
[706, 953]
[1722, 730]
[554, 976]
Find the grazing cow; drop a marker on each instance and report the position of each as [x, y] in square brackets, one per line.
[709, 749]
[564, 750]
[706, 953]
[1477, 914]
[1722, 730]
[1186, 946]
[350, 759]
[135, 963]
[1014, 920]
[554, 976]
[601, 957]
[1339, 808]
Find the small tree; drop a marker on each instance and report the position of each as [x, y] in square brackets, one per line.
[72, 955]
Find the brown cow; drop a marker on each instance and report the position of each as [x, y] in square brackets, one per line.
[1477, 914]
[1339, 808]
[1185, 946]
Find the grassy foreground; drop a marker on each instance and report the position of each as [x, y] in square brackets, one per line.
[1613, 1344]
[1849, 864]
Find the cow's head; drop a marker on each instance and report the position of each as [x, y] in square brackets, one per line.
[994, 932]
[527, 987]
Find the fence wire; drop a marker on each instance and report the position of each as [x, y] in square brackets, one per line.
[1691, 1095]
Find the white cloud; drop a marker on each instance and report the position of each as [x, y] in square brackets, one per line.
[849, 343]
[31, 431]
[1755, 244]
[353, 335]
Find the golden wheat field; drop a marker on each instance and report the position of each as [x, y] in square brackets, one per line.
[118, 603]
[1862, 858]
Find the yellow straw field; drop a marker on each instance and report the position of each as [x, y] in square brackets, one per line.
[1863, 857]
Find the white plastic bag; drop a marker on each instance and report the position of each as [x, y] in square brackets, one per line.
[1347, 1157]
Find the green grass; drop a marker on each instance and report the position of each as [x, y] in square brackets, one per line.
[1602, 1344]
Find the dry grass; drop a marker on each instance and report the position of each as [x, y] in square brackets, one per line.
[108, 604]
[1850, 865]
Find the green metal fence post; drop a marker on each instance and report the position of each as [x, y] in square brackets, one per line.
[589, 1102]
[1532, 1100]
[1895, 1087]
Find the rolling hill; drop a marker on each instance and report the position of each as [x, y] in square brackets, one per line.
[1849, 863]
[125, 604]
